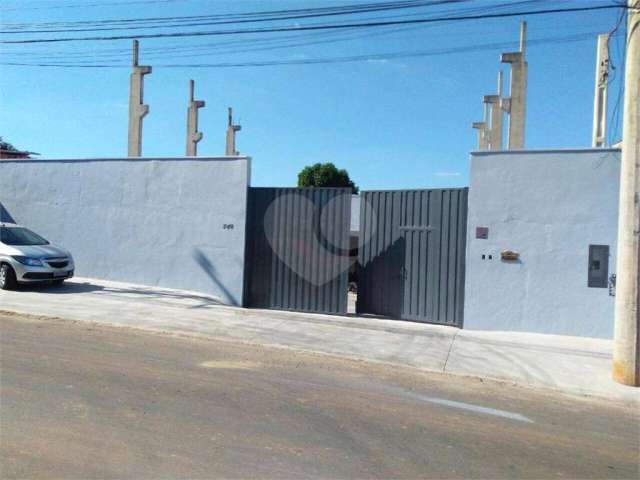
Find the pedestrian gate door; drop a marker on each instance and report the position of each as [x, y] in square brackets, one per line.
[412, 254]
[298, 249]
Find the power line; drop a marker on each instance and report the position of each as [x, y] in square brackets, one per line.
[84, 5]
[187, 47]
[189, 52]
[294, 28]
[317, 61]
[115, 52]
[249, 44]
[268, 18]
[174, 22]
[275, 14]
[219, 49]
[245, 43]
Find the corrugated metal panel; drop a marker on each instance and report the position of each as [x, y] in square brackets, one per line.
[297, 249]
[412, 254]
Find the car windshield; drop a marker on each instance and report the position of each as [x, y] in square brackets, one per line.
[20, 236]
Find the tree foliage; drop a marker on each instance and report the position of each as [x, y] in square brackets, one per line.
[7, 146]
[325, 175]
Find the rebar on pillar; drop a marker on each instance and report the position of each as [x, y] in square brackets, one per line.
[600, 97]
[137, 110]
[230, 149]
[193, 135]
[515, 104]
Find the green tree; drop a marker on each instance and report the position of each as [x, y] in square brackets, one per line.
[325, 175]
[7, 146]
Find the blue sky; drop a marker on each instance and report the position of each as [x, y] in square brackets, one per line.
[396, 123]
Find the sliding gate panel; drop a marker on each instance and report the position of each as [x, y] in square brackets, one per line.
[412, 254]
[298, 249]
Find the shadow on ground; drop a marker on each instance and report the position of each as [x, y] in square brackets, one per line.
[87, 287]
[61, 289]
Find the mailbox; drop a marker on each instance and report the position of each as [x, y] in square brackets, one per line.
[509, 256]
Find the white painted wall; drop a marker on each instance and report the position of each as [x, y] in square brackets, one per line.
[548, 206]
[157, 222]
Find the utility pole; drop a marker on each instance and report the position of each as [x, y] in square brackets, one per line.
[626, 337]
[193, 135]
[137, 110]
[495, 130]
[230, 149]
[515, 104]
[600, 96]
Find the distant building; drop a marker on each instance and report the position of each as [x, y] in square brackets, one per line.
[9, 152]
[6, 154]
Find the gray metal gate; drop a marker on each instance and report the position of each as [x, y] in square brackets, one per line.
[412, 254]
[297, 249]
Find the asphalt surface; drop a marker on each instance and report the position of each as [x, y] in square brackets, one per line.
[87, 401]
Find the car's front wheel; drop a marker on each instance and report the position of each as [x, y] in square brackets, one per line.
[7, 277]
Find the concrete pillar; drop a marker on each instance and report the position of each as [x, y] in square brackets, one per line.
[193, 135]
[137, 110]
[515, 105]
[491, 127]
[599, 137]
[495, 140]
[626, 338]
[482, 134]
[230, 149]
[489, 101]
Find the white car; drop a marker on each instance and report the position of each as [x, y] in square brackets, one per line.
[26, 257]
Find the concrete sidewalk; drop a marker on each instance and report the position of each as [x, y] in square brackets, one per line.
[568, 364]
